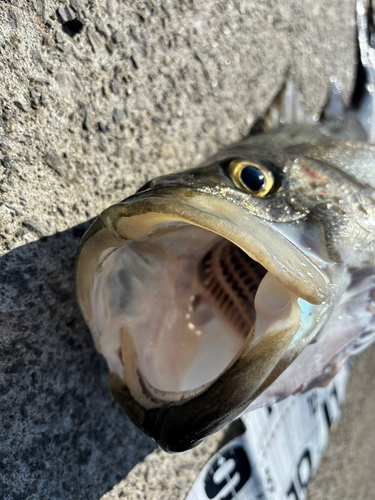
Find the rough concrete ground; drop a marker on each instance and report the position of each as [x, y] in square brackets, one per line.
[95, 99]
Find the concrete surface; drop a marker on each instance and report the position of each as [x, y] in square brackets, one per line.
[95, 99]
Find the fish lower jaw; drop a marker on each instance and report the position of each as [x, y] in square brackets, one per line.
[274, 308]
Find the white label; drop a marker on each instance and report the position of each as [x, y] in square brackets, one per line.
[276, 456]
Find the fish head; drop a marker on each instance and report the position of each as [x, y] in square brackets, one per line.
[203, 287]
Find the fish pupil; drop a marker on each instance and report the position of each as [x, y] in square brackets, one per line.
[252, 178]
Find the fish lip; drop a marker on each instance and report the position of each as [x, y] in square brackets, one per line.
[210, 212]
[166, 425]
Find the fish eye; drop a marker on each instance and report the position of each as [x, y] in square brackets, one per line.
[251, 177]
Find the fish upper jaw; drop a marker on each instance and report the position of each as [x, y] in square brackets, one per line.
[255, 236]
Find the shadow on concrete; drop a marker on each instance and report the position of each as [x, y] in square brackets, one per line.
[61, 432]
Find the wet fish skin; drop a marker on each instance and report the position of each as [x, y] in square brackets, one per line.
[313, 181]
[345, 212]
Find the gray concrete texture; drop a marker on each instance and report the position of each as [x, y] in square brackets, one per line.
[97, 97]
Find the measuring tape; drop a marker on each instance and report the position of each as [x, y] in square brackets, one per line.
[276, 456]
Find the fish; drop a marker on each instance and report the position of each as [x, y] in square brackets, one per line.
[250, 278]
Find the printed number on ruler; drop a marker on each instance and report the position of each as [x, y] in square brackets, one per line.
[228, 473]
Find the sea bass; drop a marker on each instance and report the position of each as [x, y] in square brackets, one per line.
[245, 280]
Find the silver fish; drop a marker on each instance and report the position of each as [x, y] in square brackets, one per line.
[235, 284]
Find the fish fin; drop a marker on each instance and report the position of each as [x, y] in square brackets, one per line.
[364, 93]
[335, 106]
[287, 109]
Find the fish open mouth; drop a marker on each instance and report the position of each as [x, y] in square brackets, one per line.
[178, 291]
[176, 307]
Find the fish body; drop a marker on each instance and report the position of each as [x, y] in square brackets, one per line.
[235, 284]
